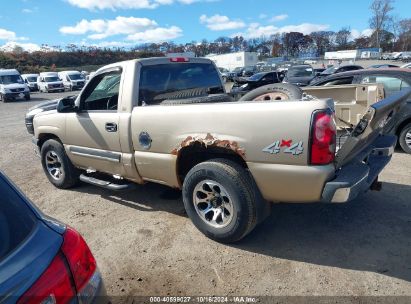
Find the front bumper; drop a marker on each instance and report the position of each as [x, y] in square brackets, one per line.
[55, 89]
[16, 95]
[358, 176]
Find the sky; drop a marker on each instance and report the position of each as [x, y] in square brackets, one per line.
[106, 23]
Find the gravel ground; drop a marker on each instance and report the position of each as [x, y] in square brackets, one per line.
[145, 244]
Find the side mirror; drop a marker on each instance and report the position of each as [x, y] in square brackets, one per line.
[66, 105]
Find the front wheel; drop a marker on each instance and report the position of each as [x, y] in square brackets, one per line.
[219, 197]
[405, 138]
[57, 166]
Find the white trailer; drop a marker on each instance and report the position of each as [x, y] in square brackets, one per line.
[342, 55]
[233, 60]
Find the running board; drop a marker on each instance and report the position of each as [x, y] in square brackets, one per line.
[105, 184]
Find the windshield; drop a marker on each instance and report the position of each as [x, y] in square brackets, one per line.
[10, 79]
[51, 79]
[160, 82]
[330, 70]
[32, 79]
[257, 76]
[249, 69]
[237, 69]
[76, 77]
[16, 219]
[305, 71]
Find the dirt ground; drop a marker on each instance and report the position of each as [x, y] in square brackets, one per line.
[145, 244]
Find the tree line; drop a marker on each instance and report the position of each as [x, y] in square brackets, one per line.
[388, 33]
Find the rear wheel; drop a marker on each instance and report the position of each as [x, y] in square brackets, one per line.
[57, 166]
[405, 138]
[220, 199]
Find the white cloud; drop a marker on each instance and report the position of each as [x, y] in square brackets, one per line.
[357, 34]
[221, 23]
[262, 16]
[279, 18]
[9, 35]
[28, 47]
[256, 30]
[157, 34]
[29, 10]
[135, 29]
[125, 4]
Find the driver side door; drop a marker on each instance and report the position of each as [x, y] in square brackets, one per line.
[92, 135]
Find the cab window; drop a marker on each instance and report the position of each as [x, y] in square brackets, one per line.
[338, 81]
[171, 81]
[102, 92]
[391, 84]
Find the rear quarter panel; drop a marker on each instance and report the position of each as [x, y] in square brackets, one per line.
[246, 127]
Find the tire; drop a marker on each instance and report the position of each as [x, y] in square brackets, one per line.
[237, 194]
[3, 98]
[214, 98]
[405, 136]
[54, 159]
[274, 92]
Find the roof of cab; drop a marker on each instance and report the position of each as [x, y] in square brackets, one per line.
[9, 72]
[153, 60]
[48, 73]
[29, 75]
[69, 72]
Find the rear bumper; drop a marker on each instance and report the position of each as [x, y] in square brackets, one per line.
[358, 176]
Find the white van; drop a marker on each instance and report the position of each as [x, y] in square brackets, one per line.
[50, 82]
[12, 86]
[72, 80]
[31, 81]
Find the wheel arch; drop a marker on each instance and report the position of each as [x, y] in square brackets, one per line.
[402, 125]
[198, 152]
[43, 137]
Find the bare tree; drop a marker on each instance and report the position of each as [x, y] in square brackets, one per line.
[381, 18]
[342, 38]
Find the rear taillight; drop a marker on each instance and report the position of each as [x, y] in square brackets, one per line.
[179, 59]
[79, 257]
[73, 272]
[53, 286]
[323, 138]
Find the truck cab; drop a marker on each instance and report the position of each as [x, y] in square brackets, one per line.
[31, 81]
[12, 86]
[50, 82]
[72, 80]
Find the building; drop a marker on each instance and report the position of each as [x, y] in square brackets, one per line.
[368, 53]
[232, 60]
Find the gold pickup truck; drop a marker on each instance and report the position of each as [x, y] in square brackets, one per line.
[169, 121]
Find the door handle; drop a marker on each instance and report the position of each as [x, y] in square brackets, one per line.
[111, 127]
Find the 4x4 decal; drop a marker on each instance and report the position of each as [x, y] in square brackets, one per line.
[286, 146]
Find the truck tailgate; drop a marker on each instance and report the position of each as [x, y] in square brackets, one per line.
[370, 126]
